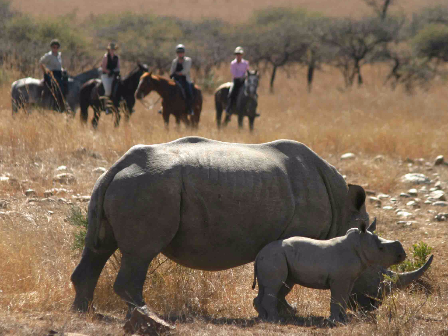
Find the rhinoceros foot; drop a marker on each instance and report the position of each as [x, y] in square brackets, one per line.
[144, 322]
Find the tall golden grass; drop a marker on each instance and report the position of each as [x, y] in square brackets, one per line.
[36, 255]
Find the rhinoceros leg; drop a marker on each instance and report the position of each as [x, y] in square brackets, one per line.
[340, 291]
[131, 278]
[282, 305]
[257, 303]
[272, 272]
[85, 276]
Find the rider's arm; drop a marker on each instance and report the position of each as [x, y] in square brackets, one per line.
[42, 63]
[173, 67]
[117, 69]
[233, 69]
[187, 66]
[104, 65]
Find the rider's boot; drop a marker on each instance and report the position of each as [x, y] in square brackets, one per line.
[107, 102]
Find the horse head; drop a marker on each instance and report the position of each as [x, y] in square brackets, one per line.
[143, 67]
[145, 86]
[251, 83]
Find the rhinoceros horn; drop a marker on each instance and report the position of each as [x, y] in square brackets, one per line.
[404, 279]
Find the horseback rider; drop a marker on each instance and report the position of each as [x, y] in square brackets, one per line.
[51, 65]
[238, 68]
[180, 72]
[111, 69]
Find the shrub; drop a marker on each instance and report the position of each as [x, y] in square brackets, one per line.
[432, 42]
[420, 252]
[78, 217]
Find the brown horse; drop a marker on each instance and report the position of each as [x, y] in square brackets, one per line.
[173, 101]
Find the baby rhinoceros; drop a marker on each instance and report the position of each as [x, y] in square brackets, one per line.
[322, 264]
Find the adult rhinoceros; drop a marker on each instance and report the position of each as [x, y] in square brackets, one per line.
[208, 205]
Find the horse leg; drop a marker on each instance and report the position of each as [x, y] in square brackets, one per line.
[240, 120]
[184, 118]
[219, 109]
[251, 123]
[117, 117]
[166, 117]
[96, 117]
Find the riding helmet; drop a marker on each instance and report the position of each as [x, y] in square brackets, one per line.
[55, 42]
[180, 47]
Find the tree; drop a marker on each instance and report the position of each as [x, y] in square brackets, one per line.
[380, 7]
[355, 43]
[278, 37]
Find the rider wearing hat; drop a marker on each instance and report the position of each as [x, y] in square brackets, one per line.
[51, 65]
[180, 72]
[110, 66]
[238, 68]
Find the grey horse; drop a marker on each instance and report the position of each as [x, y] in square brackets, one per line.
[29, 91]
[246, 103]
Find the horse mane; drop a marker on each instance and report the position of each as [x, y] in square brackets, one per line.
[132, 73]
[160, 79]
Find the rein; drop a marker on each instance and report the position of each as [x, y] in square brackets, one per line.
[150, 107]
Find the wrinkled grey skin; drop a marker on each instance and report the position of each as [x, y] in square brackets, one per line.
[208, 205]
[321, 264]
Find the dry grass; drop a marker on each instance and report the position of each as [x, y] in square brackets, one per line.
[36, 256]
[230, 10]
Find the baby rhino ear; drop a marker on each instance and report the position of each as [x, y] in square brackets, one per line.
[363, 227]
[372, 226]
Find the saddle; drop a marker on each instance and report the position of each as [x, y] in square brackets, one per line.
[182, 90]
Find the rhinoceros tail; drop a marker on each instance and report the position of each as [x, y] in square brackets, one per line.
[98, 227]
[255, 274]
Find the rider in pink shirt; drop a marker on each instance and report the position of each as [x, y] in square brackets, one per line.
[238, 67]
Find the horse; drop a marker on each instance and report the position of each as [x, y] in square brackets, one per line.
[246, 102]
[92, 94]
[29, 91]
[173, 98]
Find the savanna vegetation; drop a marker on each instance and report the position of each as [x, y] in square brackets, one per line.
[378, 91]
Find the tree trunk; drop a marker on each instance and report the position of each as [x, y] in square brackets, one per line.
[274, 71]
[310, 76]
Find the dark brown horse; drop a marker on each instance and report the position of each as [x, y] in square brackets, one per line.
[92, 94]
[173, 101]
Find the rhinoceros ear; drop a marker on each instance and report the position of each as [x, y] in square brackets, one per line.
[363, 227]
[372, 227]
[356, 196]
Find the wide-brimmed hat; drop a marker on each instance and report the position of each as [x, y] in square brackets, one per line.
[112, 46]
[239, 50]
[55, 42]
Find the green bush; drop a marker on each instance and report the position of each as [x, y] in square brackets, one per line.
[432, 42]
[420, 253]
[78, 217]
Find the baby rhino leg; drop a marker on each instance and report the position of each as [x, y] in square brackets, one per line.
[340, 291]
[272, 272]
